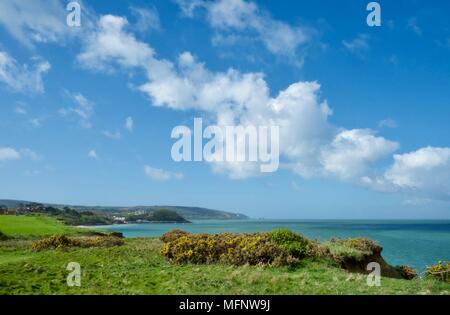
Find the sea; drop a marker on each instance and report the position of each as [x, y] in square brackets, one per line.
[405, 242]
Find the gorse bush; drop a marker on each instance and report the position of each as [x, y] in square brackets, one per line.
[234, 249]
[62, 242]
[277, 248]
[440, 271]
[55, 242]
[297, 245]
[173, 235]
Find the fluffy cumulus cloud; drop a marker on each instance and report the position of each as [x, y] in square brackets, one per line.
[245, 17]
[109, 43]
[159, 174]
[310, 145]
[352, 152]
[22, 78]
[232, 97]
[427, 169]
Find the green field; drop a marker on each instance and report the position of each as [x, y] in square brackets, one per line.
[139, 268]
[34, 226]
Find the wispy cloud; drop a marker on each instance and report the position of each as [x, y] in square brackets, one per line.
[21, 78]
[20, 110]
[387, 123]
[357, 46]
[35, 122]
[93, 154]
[37, 21]
[414, 26]
[28, 153]
[246, 18]
[146, 19]
[82, 110]
[8, 153]
[112, 135]
[161, 175]
[129, 124]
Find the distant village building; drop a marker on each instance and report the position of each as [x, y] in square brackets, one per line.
[119, 219]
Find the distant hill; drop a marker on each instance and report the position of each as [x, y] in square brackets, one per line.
[189, 213]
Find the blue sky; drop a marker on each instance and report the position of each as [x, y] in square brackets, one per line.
[86, 113]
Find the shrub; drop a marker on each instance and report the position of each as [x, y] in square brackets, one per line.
[234, 249]
[173, 235]
[54, 242]
[3, 236]
[406, 272]
[62, 242]
[295, 244]
[441, 271]
[353, 248]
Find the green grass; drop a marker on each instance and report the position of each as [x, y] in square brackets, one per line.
[138, 268]
[34, 226]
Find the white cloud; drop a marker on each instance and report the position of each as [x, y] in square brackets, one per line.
[20, 110]
[161, 175]
[241, 16]
[129, 124]
[7, 153]
[110, 43]
[310, 145]
[146, 19]
[423, 174]
[427, 169]
[228, 98]
[188, 7]
[358, 45]
[387, 123]
[42, 21]
[352, 152]
[35, 122]
[22, 78]
[82, 111]
[112, 135]
[34, 21]
[93, 154]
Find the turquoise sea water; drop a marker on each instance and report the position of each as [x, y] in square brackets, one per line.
[413, 243]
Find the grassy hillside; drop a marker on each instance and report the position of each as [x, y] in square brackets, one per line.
[34, 226]
[138, 267]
